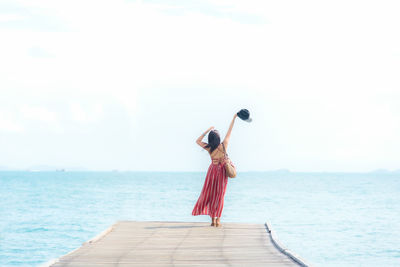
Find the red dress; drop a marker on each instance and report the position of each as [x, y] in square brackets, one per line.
[211, 199]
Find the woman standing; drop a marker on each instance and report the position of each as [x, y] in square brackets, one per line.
[211, 199]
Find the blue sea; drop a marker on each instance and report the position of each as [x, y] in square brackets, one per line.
[328, 219]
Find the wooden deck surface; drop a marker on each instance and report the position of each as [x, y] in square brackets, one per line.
[159, 244]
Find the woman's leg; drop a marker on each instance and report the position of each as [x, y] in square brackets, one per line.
[218, 222]
[213, 221]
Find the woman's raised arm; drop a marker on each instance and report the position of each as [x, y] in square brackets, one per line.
[199, 142]
[228, 134]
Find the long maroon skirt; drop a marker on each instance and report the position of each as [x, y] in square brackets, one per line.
[211, 199]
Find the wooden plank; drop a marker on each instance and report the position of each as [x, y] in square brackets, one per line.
[158, 244]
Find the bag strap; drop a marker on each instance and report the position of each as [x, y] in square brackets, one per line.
[224, 149]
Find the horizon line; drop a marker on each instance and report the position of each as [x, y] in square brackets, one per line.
[377, 171]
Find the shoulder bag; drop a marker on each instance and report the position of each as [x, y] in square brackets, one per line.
[229, 167]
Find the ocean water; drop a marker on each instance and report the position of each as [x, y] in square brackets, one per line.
[329, 219]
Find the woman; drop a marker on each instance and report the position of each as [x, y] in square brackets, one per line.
[211, 199]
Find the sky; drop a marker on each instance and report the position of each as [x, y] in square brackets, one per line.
[130, 85]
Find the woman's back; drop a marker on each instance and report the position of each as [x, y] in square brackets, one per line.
[218, 154]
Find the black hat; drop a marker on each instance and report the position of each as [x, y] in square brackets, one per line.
[244, 114]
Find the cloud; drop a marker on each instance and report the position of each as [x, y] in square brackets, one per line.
[8, 123]
[20, 16]
[85, 115]
[218, 9]
[11, 17]
[38, 113]
[36, 51]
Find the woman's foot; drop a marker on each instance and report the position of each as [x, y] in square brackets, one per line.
[218, 222]
[213, 222]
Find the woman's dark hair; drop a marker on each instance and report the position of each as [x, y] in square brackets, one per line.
[213, 140]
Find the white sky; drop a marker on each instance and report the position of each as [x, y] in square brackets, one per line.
[130, 85]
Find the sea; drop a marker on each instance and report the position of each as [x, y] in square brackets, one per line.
[328, 219]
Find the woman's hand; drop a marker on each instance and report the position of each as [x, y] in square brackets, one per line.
[209, 129]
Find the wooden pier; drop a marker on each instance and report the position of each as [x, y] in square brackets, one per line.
[159, 244]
